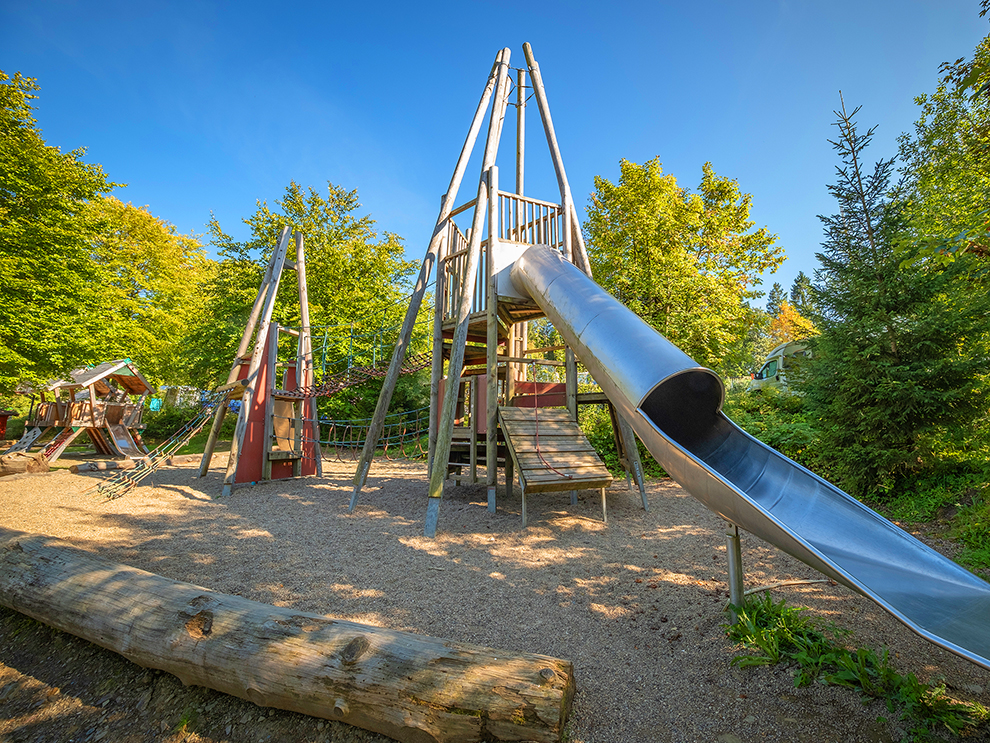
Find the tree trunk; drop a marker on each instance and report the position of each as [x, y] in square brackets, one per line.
[123, 464]
[410, 687]
[18, 462]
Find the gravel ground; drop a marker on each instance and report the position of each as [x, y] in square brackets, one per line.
[636, 605]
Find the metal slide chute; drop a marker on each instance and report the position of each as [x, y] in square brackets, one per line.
[675, 407]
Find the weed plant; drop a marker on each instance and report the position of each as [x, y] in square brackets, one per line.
[780, 633]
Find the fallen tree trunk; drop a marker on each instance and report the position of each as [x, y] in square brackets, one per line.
[123, 464]
[410, 687]
[19, 462]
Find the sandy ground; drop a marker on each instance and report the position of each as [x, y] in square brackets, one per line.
[636, 605]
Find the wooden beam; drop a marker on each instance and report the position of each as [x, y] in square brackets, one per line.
[405, 334]
[442, 451]
[407, 686]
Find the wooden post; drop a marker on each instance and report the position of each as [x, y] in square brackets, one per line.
[520, 129]
[266, 445]
[412, 688]
[491, 377]
[259, 348]
[632, 455]
[398, 354]
[436, 368]
[305, 373]
[471, 408]
[456, 364]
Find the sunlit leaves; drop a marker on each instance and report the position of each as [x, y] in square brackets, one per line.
[685, 262]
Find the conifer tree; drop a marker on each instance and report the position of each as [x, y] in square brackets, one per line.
[801, 295]
[901, 348]
[774, 298]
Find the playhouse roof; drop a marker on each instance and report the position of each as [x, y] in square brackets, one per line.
[123, 371]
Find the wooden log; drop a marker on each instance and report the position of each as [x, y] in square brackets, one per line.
[19, 462]
[410, 687]
[124, 464]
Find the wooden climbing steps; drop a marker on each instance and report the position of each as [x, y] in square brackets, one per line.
[551, 453]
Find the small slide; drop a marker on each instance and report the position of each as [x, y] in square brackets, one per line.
[124, 442]
[675, 407]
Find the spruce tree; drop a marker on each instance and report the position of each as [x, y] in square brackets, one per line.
[901, 346]
[801, 298]
[774, 298]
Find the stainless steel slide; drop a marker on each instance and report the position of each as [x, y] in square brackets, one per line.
[675, 407]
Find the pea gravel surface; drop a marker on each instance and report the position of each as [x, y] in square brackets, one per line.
[636, 605]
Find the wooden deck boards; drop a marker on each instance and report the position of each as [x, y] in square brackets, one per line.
[551, 451]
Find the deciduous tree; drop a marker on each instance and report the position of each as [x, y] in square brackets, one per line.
[50, 300]
[685, 262]
[150, 279]
[946, 163]
[354, 276]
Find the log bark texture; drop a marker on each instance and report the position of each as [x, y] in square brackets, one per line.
[123, 464]
[18, 462]
[407, 686]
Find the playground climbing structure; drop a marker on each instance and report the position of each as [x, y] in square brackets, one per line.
[277, 433]
[674, 406]
[105, 402]
[482, 327]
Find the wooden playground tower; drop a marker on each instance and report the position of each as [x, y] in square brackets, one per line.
[481, 329]
[277, 432]
[106, 402]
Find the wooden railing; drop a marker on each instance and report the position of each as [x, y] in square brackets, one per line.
[520, 220]
[530, 221]
[79, 413]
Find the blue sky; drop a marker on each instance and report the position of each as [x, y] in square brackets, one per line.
[207, 107]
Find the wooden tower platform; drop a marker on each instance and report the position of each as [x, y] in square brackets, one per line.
[481, 329]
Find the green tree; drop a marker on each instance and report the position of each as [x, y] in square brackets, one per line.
[356, 280]
[774, 299]
[946, 163]
[50, 297]
[684, 262]
[801, 295]
[902, 348]
[150, 286]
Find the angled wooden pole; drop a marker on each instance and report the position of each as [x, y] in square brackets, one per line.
[221, 411]
[395, 366]
[491, 412]
[436, 367]
[305, 372]
[570, 213]
[456, 364]
[259, 349]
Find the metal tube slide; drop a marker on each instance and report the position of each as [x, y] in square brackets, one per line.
[675, 406]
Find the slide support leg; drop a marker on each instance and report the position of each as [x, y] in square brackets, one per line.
[734, 552]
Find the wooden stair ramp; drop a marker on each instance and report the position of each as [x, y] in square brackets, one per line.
[551, 454]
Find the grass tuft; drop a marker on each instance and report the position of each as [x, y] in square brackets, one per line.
[780, 633]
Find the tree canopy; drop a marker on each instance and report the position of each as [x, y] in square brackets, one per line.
[50, 298]
[946, 163]
[150, 279]
[354, 276]
[685, 262]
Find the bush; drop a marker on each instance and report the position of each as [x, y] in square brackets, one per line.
[597, 426]
[778, 419]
